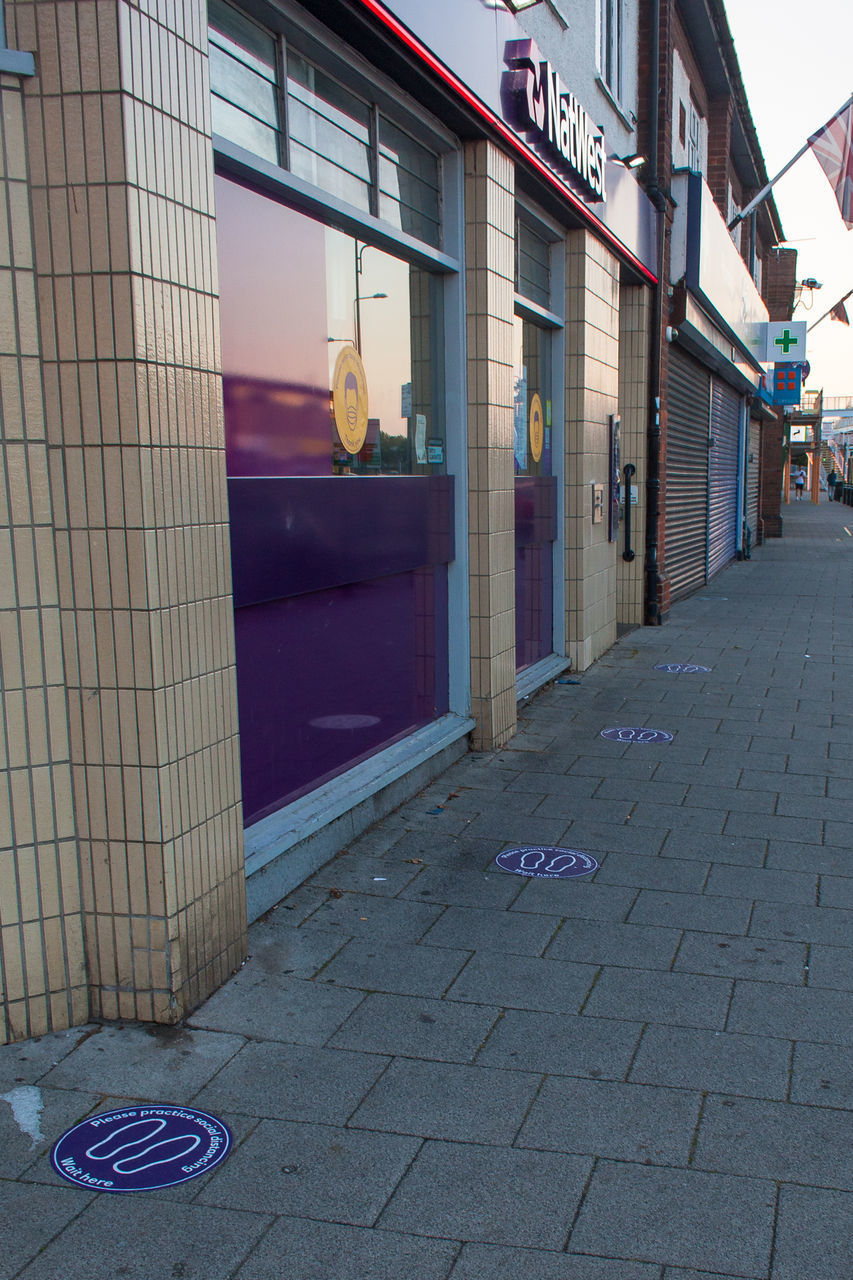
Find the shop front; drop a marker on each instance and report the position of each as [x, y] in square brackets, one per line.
[409, 481]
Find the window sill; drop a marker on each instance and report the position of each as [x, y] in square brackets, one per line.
[629, 121]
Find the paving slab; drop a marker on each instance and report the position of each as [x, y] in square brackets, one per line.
[28, 1060]
[32, 1216]
[524, 982]
[494, 1262]
[292, 1082]
[713, 1061]
[778, 1140]
[471, 928]
[282, 950]
[270, 1008]
[166, 1064]
[831, 966]
[319, 1250]
[32, 1117]
[822, 1076]
[644, 1123]
[671, 874]
[580, 899]
[813, 1234]
[802, 923]
[680, 999]
[438, 1030]
[575, 1046]
[491, 1195]
[682, 1217]
[797, 1013]
[442, 1100]
[731, 956]
[138, 1238]
[312, 1170]
[398, 968]
[697, 911]
[463, 888]
[764, 885]
[601, 942]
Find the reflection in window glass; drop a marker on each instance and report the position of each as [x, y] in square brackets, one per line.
[329, 132]
[532, 362]
[390, 311]
[532, 265]
[243, 82]
[408, 184]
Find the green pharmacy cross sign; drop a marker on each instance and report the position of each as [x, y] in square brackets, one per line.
[786, 341]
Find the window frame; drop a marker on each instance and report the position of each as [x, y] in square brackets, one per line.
[298, 32]
[609, 44]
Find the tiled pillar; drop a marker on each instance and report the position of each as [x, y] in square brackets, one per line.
[490, 283]
[592, 394]
[634, 320]
[120, 163]
[41, 925]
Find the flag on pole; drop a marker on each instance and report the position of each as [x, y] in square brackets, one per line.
[833, 148]
[839, 312]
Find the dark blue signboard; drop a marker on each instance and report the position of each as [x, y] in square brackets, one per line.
[546, 862]
[141, 1148]
[680, 668]
[636, 734]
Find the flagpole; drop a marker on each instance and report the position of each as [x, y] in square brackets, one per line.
[765, 191]
[830, 311]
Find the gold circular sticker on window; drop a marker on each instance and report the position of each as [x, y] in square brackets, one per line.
[349, 399]
[537, 428]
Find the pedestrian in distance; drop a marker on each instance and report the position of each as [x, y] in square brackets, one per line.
[830, 484]
[798, 476]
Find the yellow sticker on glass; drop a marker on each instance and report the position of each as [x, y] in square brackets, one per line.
[537, 428]
[349, 399]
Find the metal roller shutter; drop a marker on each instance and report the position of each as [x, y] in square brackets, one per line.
[753, 454]
[686, 506]
[723, 476]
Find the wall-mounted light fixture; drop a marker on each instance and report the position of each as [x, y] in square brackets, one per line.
[633, 161]
[518, 5]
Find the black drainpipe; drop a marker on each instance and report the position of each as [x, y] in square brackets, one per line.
[652, 567]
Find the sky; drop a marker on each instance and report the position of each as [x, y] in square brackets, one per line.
[797, 69]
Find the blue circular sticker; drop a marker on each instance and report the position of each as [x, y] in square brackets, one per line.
[546, 862]
[636, 735]
[680, 668]
[140, 1148]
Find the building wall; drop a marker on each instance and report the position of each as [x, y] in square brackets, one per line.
[592, 394]
[121, 189]
[634, 320]
[42, 961]
[490, 286]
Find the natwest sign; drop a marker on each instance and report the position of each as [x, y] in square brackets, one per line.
[553, 121]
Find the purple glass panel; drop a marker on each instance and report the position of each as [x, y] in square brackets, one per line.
[272, 282]
[535, 531]
[325, 680]
[290, 536]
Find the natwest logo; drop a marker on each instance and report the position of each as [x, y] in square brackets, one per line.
[536, 103]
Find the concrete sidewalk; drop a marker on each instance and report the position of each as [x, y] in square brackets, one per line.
[436, 1069]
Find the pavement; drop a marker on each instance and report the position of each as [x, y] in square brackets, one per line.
[436, 1069]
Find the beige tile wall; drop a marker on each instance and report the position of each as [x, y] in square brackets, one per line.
[490, 286]
[634, 319]
[121, 177]
[592, 394]
[41, 925]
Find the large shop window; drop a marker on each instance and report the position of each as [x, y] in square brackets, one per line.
[341, 504]
[535, 484]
